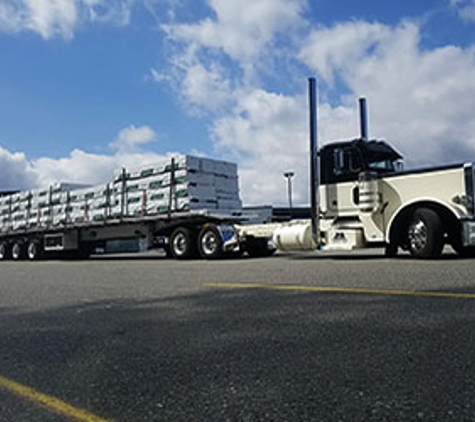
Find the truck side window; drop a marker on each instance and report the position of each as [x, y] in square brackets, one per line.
[347, 162]
[338, 161]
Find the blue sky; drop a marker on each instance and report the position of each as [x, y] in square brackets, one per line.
[87, 86]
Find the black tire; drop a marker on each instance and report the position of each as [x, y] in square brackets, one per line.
[425, 234]
[18, 251]
[210, 242]
[258, 248]
[467, 252]
[183, 244]
[34, 250]
[5, 251]
[391, 250]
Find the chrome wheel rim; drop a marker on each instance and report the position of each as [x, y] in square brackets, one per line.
[32, 251]
[179, 244]
[16, 251]
[417, 235]
[209, 243]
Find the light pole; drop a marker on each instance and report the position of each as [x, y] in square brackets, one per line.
[288, 175]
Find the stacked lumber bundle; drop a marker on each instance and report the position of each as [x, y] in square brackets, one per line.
[181, 184]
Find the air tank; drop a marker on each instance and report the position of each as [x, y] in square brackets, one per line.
[295, 237]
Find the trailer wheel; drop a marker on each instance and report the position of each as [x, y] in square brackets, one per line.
[34, 250]
[425, 234]
[183, 243]
[5, 251]
[210, 243]
[18, 251]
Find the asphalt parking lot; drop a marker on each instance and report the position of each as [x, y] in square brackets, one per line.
[302, 337]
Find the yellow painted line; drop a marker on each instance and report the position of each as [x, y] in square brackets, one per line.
[317, 289]
[51, 403]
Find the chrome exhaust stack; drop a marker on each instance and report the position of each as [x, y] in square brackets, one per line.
[314, 164]
[364, 119]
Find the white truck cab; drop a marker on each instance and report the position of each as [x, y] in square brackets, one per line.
[365, 199]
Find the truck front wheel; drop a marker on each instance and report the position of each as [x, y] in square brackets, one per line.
[425, 234]
[183, 243]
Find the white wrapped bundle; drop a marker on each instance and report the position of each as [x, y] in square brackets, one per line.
[227, 185]
[195, 183]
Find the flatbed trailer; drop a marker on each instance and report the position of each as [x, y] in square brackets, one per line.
[73, 223]
[181, 235]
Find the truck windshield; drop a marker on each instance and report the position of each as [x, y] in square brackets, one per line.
[383, 166]
[379, 156]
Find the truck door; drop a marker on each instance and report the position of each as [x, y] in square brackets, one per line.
[341, 190]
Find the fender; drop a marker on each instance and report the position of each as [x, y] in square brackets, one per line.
[456, 212]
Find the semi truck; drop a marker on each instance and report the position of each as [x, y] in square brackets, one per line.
[360, 194]
[362, 197]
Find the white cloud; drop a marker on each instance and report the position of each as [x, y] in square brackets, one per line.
[12, 17]
[466, 8]
[47, 18]
[78, 167]
[222, 54]
[50, 17]
[206, 87]
[331, 50]
[267, 134]
[422, 100]
[61, 18]
[133, 137]
[115, 12]
[15, 171]
[242, 28]
[87, 168]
